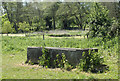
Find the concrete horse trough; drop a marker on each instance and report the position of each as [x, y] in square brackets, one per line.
[73, 55]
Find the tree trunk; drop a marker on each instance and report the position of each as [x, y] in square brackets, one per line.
[16, 29]
[54, 22]
[78, 21]
[39, 13]
[81, 26]
[84, 27]
[8, 14]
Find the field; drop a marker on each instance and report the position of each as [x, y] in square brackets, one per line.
[14, 55]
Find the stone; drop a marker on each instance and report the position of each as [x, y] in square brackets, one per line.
[73, 55]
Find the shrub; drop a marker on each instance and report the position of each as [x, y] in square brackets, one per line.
[90, 61]
[6, 27]
[99, 21]
[44, 60]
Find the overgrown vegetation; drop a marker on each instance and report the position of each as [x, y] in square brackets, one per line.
[100, 23]
[25, 17]
[90, 62]
[14, 51]
[59, 61]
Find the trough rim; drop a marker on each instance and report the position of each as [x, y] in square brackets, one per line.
[58, 48]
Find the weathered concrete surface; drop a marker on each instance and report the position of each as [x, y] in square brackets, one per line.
[73, 55]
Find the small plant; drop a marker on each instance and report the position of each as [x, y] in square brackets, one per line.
[63, 63]
[44, 60]
[90, 61]
[57, 61]
[67, 66]
[63, 60]
[30, 62]
[60, 60]
[80, 66]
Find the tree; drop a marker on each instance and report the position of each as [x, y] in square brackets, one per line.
[64, 16]
[51, 12]
[6, 27]
[14, 11]
[112, 7]
[115, 28]
[79, 10]
[99, 21]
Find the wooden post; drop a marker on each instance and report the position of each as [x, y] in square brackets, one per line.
[43, 36]
[44, 39]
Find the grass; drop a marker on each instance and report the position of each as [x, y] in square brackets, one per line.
[14, 54]
[0, 58]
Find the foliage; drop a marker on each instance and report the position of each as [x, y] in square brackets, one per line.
[59, 62]
[99, 21]
[114, 28]
[44, 60]
[91, 61]
[60, 15]
[62, 62]
[7, 27]
[24, 27]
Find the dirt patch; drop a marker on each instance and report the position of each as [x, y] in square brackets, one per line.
[37, 66]
[28, 65]
[80, 37]
[13, 35]
[40, 67]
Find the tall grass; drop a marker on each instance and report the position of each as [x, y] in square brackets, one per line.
[20, 44]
